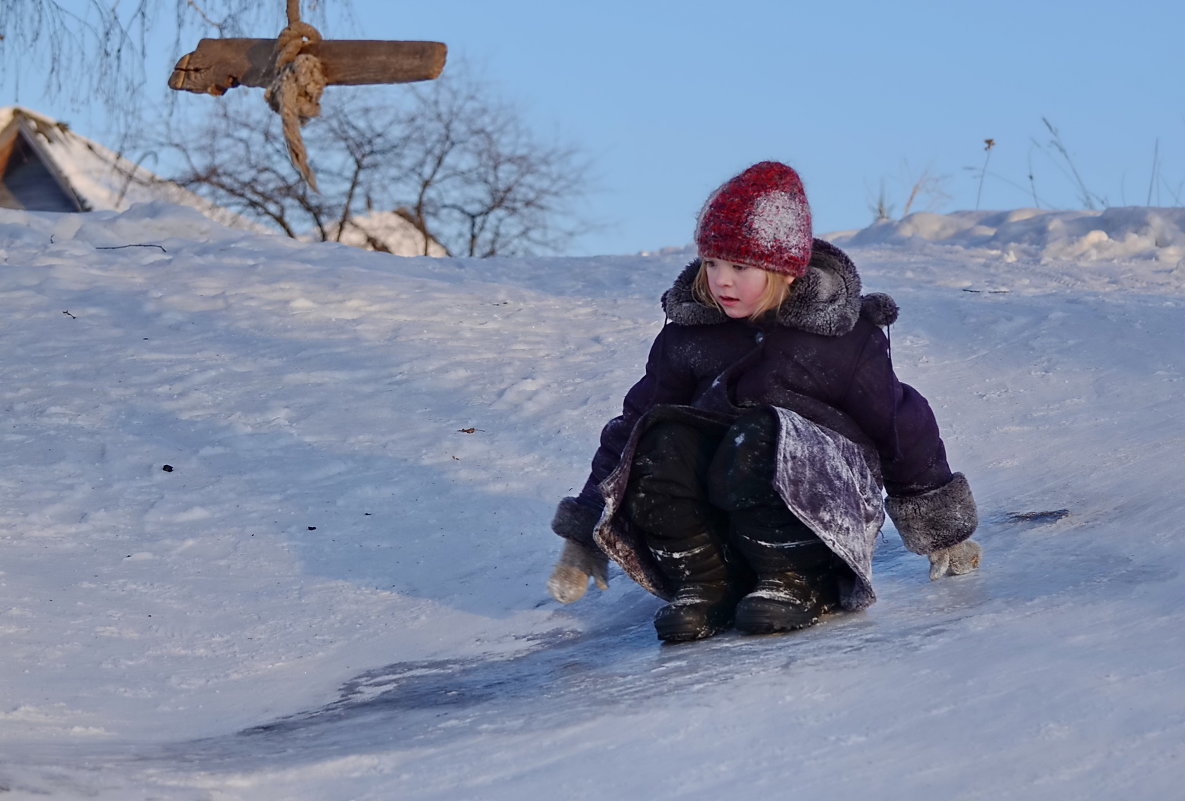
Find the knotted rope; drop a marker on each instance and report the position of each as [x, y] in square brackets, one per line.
[295, 93]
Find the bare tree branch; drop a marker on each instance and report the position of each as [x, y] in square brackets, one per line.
[448, 157]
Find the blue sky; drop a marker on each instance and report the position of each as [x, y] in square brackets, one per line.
[671, 98]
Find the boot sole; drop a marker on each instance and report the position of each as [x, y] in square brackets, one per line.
[675, 627]
[757, 615]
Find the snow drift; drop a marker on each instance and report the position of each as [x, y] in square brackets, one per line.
[1111, 234]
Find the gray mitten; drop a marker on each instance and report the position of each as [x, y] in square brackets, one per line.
[955, 560]
[577, 563]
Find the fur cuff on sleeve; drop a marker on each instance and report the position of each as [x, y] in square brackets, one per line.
[936, 519]
[575, 521]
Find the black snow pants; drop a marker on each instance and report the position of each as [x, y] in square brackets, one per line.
[689, 477]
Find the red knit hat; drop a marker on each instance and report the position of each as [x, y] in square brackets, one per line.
[759, 218]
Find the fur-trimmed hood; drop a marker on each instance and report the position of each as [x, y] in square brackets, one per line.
[826, 300]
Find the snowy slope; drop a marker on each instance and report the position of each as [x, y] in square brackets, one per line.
[336, 591]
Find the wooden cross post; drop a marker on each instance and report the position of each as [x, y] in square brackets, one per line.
[221, 64]
[296, 66]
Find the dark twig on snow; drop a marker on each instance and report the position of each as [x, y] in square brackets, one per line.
[1048, 516]
[121, 247]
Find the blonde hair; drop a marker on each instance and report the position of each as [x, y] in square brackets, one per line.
[775, 292]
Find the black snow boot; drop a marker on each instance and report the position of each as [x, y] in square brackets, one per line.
[667, 502]
[795, 578]
[705, 600]
[796, 572]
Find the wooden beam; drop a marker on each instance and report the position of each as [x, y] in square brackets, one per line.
[220, 64]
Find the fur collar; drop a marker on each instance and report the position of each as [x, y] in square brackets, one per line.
[826, 300]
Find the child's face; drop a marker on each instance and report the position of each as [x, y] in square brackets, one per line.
[739, 288]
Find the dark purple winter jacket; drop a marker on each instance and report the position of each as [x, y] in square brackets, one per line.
[832, 367]
[822, 355]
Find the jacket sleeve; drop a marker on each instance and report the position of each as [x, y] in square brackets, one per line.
[576, 517]
[931, 507]
[665, 381]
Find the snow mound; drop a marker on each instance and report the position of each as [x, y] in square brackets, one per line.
[1122, 233]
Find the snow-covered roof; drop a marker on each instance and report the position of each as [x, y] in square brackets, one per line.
[45, 166]
[389, 231]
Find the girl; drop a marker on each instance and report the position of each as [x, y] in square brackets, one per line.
[744, 480]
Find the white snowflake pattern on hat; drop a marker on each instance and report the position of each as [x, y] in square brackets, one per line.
[777, 219]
